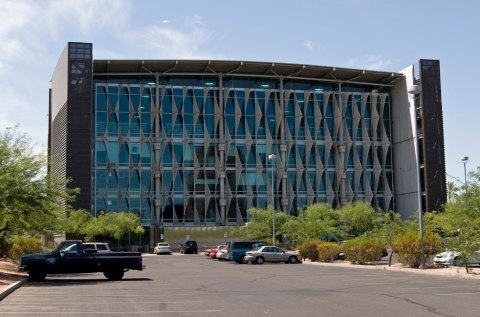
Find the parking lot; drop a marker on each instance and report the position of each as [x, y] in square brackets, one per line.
[194, 285]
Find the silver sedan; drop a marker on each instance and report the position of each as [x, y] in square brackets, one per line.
[271, 254]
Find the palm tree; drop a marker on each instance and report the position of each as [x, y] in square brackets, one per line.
[452, 189]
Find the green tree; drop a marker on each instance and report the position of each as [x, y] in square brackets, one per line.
[461, 219]
[357, 218]
[452, 190]
[260, 225]
[31, 201]
[392, 225]
[317, 221]
[113, 225]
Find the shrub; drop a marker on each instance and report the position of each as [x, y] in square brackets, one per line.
[408, 250]
[327, 251]
[24, 245]
[362, 250]
[308, 249]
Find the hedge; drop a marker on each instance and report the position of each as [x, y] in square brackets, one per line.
[363, 250]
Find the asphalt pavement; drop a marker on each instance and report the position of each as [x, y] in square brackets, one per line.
[194, 285]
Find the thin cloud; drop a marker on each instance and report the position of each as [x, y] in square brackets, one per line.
[308, 44]
[372, 62]
[166, 21]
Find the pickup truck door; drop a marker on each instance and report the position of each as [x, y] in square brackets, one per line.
[70, 258]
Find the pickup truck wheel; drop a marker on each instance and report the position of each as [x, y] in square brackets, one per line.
[114, 273]
[37, 273]
[243, 260]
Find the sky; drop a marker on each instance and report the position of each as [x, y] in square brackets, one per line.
[364, 34]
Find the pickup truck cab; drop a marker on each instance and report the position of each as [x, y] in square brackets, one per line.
[71, 257]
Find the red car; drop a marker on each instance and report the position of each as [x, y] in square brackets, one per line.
[213, 254]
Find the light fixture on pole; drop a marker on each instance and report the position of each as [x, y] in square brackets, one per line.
[414, 92]
[272, 158]
[464, 160]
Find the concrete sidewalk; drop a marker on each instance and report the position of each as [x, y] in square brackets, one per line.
[458, 272]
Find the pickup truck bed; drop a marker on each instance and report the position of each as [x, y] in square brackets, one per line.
[69, 257]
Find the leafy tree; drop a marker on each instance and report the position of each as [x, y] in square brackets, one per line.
[113, 225]
[392, 225]
[461, 219]
[357, 218]
[261, 223]
[317, 221]
[75, 222]
[31, 201]
[452, 190]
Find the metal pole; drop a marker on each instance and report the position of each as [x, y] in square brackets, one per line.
[273, 208]
[465, 171]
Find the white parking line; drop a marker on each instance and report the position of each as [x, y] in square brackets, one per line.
[433, 287]
[105, 295]
[370, 279]
[83, 304]
[453, 294]
[111, 312]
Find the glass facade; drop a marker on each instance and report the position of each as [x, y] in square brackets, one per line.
[205, 161]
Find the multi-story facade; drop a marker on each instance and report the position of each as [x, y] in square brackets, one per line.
[186, 143]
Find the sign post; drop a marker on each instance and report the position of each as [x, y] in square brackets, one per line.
[225, 237]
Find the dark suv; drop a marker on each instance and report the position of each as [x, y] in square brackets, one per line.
[189, 246]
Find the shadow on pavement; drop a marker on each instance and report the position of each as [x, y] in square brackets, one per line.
[70, 282]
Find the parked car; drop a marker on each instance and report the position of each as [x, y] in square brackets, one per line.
[453, 258]
[162, 248]
[214, 252]
[100, 247]
[222, 254]
[271, 254]
[258, 245]
[208, 251]
[189, 246]
[70, 257]
[237, 250]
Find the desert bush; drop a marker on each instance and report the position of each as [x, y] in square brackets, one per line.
[23, 245]
[363, 249]
[327, 251]
[308, 249]
[408, 250]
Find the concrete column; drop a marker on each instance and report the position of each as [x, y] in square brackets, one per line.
[157, 153]
[283, 151]
[341, 148]
[221, 150]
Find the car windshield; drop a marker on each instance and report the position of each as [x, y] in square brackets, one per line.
[163, 244]
[58, 247]
[257, 249]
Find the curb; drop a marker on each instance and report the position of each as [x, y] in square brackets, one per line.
[398, 269]
[13, 288]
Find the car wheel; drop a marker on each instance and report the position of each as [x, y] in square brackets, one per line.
[260, 260]
[292, 260]
[243, 260]
[114, 273]
[37, 273]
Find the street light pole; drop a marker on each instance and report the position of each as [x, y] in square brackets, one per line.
[464, 160]
[272, 158]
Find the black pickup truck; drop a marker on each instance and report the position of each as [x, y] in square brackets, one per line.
[70, 257]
